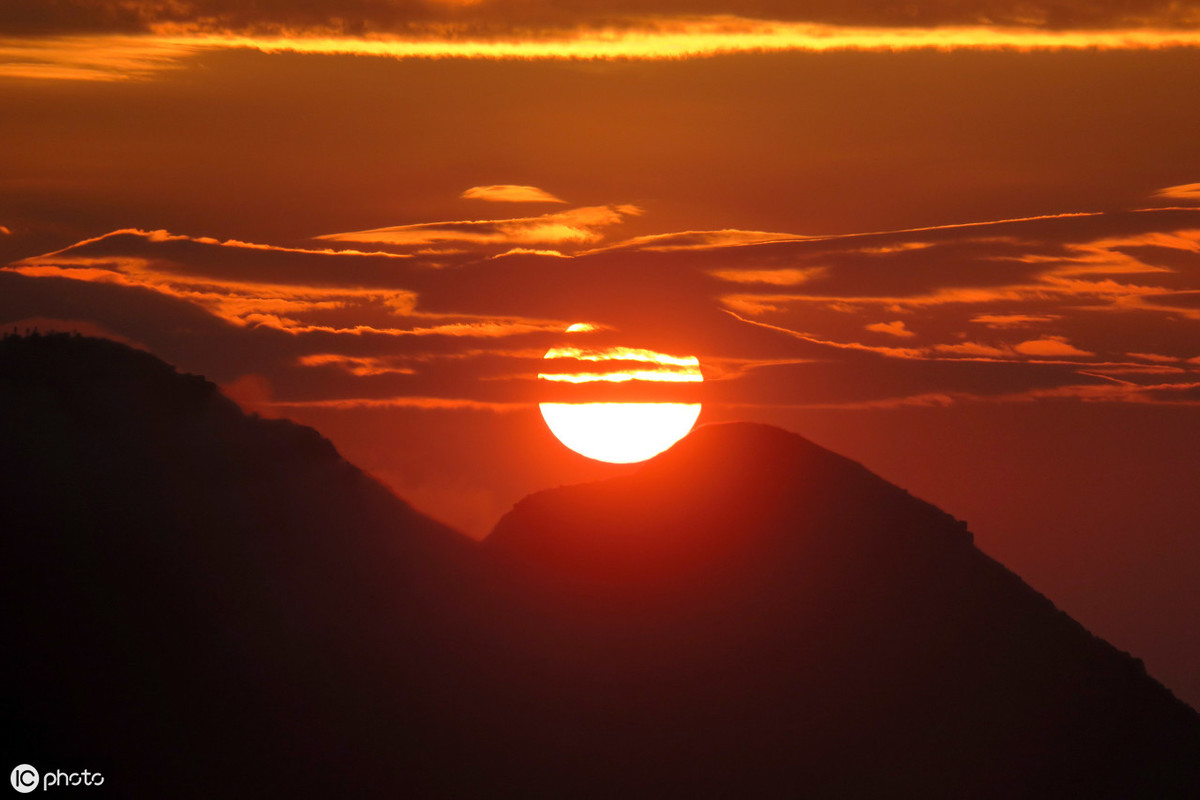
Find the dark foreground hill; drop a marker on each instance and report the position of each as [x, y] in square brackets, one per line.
[199, 603]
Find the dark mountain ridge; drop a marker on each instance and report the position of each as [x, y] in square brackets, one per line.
[788, 619]
[211, 604]
[197, 593]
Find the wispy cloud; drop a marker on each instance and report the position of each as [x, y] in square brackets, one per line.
[162, 236]
[1155, 357]
[1012, 320]
[529, 251]
[1030, 309]
[618, 364]
[690, 37]
[1185, 191]
[1050, 346]
[123, 40]
[1086, 286]
[496, 17]
[772, 277]
[702, 240]
[432, 403]
[355, 365]
[895, 328]
[510, 193]
[199, 270]
[93, 57]
[577, 226]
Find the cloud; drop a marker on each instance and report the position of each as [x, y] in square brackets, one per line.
[510, 193]
[246, 302]
[896, 328]
[1012, 320]
[263, 286]
[494, 19]
[355, 365]
[124, 39]
[929, 316]
[1187, 394]
[92, 57]
[1050, 346]
[972, 349]
[123, 240]
[773, 277]
[703, 240]
[1187, 191]
[586, 365]
[1115, 261]
[435, 403]
[1155, 357]
[577, 226]
[526, 251]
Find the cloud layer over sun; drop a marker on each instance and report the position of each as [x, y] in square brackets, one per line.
[1091, 307]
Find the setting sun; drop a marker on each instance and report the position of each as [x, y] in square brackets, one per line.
[621, 433]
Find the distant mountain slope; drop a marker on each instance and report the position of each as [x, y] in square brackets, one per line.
[754, 615]
[201, 603]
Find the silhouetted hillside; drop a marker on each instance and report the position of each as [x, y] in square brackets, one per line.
[753, 615]
[201, 603]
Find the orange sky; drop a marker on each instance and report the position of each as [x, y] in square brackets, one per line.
[959, 242]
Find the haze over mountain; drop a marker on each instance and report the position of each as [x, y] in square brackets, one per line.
[205, 603]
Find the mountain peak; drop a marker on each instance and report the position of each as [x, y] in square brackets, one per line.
[724, 494]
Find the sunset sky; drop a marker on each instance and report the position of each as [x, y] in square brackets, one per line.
[956, 241]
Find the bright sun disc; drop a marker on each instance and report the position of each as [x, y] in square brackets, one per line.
[622, 433]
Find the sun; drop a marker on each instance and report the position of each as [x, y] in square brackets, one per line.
[621, 433]
[618, 432]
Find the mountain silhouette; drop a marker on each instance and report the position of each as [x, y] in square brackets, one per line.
[199, 602]
[755, 615]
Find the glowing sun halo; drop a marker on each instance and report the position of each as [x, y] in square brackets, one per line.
[622, 433]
